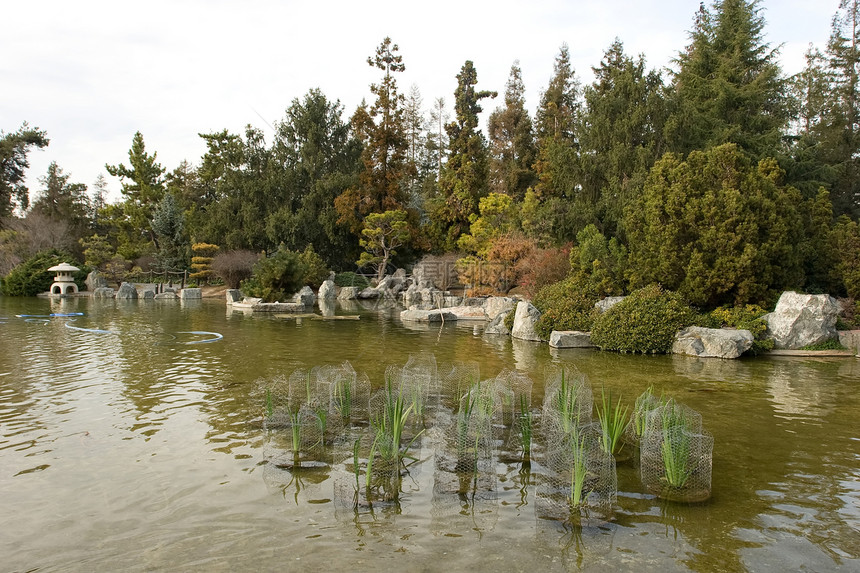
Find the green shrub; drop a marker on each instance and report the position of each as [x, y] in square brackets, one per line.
[645, 321]
[316, 272]
[349, 279]
[32, 277]
[565, 305]
[277, 277]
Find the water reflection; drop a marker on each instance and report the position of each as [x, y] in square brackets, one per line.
[131, 451]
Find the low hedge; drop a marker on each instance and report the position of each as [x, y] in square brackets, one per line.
[646, 321]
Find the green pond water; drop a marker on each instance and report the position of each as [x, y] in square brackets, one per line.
[132, 450]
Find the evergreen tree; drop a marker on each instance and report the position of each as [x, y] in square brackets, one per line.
[320, 158]
[62, 201]
[620, 136]
[464, 179]
[168, 224]
[382, 130]
[556, 126]
[717, 229]
[728, 85]
[437, 137]
[805, 163]
[142, 185]
[13, 163]
[840, 134]
[512, 143]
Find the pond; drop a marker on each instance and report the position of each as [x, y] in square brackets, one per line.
[129, 443]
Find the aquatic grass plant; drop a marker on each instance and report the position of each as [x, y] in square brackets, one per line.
[613, 421]
[526, 427]
[675, 450]
[566, 402]
[675, 444]
[342, 397]
[388, 425]
[578, 468]
[645, 403]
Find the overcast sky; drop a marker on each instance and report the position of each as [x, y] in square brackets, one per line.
[92, 73]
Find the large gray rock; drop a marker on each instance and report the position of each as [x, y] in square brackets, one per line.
[327, 291]
[496, 305]
[167, 295]
[608, 302]
[497, 325]
[416, 315]
[712, 342]
[126, 292]
[233, 295]
[348, 293]
[802, 319]
[467, 312]
[95, 280]
[369, 293]
[570, 339]
[411, 295]
[149, 294]
[305, 296]
[104, 292]
[524, 322]
[190, 294]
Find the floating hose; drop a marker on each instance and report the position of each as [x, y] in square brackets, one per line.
[215, 335]
[95, 330]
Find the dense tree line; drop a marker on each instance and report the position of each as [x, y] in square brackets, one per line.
[722, 179]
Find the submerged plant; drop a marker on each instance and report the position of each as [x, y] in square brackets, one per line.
[613, 421]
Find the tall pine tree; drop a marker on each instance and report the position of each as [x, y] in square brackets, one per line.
[512, 143]
[464, 179]
[728, 86]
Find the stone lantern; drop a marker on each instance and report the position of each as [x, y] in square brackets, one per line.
[64, 283]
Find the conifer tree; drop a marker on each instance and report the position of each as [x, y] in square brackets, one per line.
[557, 161]
[382, 130]
[728, 86]
[464, 179]
[840, 134]
[142, 185]
[512, 142]
[620, 136]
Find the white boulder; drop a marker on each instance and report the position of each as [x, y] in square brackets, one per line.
[712, 342]
[802, 319]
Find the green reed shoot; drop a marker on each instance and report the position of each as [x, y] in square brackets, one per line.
[640, 413]
[675, 446]
[355, 467]
[613, 421]
[321, 415]
[525, 427]
[579, 468]
[567, 404]
[343, 397]
[296, 430]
